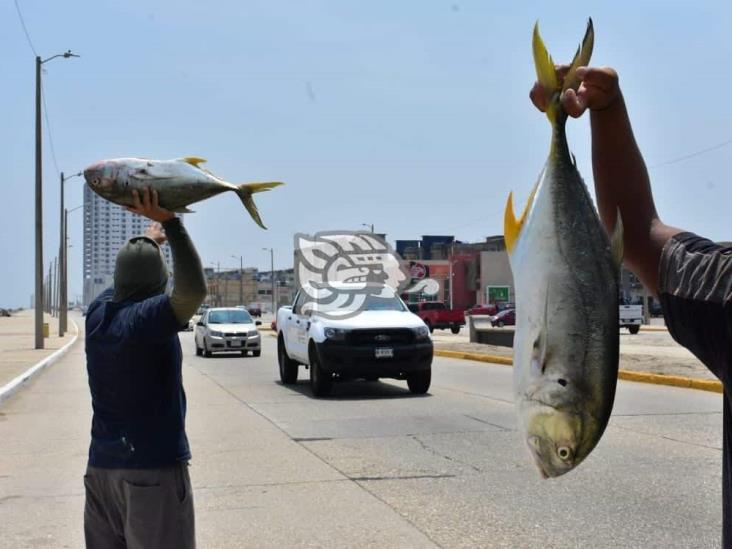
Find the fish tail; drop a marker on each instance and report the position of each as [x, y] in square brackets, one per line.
[245, 193]
[546, 71]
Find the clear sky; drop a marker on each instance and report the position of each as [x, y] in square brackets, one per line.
[412, 115]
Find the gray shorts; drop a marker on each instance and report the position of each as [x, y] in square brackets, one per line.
[139, 508]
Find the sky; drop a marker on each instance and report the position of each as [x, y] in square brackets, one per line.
[410, 115]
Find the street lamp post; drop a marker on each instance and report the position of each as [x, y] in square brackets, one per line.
[63, 318]
[368, 225]
[241, 279]
[271, 272]
[63, 301]
[39, 203]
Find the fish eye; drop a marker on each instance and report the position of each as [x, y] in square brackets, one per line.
[95, 181]
[564, 453]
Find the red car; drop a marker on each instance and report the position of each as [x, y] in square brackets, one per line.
[506, 317]
[437, 316]
[486, 309]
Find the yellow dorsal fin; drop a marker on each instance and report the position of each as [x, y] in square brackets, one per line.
[546, 73]
[194, 160]
[511, 225]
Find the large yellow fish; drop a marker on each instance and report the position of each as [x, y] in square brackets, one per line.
[179, 182]
[566, 275]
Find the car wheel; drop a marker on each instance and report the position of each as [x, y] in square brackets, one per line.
[634, 329]
[429, 326]
[288, 367]
[199, 351]
[419, 382]
[455, 329]
[321, 382]
[206, 352]
[243, 353]
[258, 352]
[500, 323]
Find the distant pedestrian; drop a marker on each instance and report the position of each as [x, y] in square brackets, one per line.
[691, 275]
[138, 491]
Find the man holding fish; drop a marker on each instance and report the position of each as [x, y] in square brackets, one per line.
[691, 275]
[138, 492]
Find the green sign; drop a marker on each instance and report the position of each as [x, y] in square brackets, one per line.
[497, 294]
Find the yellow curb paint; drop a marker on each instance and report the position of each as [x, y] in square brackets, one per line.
[654, 329]
[711, 385]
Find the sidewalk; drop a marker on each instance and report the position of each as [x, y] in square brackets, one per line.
[17, 342]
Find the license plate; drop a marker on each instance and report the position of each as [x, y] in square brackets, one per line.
[235, 343]
[384, 352]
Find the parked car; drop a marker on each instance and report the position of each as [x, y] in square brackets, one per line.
[631, 317]
[486, 309]
[437, 316]
[506, 317]
[255, 311]
[227, 329]
[4, 312]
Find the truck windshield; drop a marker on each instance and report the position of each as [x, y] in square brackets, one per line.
[375, 303]
[234, 316]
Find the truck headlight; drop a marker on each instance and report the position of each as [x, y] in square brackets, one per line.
[336, 334]
[421, 333]
[214, 333]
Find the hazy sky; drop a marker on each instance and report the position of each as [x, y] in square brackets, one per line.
[411, 115]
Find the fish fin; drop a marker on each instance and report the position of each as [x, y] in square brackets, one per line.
[546, 72]
[194, 160]
[511, 225]
[142, 174]
[182, 210]
[581, 58]
[245, 193]
[541, 343]
[616, 241]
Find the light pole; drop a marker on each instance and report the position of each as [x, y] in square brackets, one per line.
[369, 226]
[63, 309]
[271, 272]
[241, 279]
[39, 202]
[63, 318]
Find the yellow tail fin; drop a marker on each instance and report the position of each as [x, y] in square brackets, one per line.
[546, 72]
[245, 193]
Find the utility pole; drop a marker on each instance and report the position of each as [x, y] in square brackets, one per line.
[271, 272]
[39, 301]
[63, 294]
[241, 279]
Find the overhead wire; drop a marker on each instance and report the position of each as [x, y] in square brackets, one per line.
[25, 29]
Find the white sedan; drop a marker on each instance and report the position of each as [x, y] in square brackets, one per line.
[227, 329]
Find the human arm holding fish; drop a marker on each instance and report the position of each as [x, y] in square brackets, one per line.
[189, 289]
[620, 174]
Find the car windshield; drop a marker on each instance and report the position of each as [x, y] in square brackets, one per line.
[232, 316]
[376, 303]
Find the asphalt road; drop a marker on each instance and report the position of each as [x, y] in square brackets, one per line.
[374, 466]
[452, 465]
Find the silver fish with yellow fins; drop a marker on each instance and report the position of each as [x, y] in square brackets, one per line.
[179, 183]
[565, 269]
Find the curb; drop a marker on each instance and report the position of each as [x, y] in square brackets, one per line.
[653, 329]
[9, 388]
[710, 385]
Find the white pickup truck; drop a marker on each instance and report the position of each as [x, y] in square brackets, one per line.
[382, 339]
[631, 317]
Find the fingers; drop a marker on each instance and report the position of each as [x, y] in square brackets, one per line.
[146, 198]
[155, 202]
[603, 78]
[574, 104]
[538, 97]
[136, 204]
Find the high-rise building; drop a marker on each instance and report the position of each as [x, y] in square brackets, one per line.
[107, 227]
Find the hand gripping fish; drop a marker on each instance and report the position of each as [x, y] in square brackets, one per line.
[179, 182]
[566, 275]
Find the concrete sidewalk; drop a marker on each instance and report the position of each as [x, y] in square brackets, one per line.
[17, 342]
[254, 486]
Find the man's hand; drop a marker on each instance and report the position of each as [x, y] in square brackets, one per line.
[149, 206]
[156, 232]
[598, 91]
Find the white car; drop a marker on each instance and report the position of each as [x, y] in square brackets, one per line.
[227, 329]
[383, 338]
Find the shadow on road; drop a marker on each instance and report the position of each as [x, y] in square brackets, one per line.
[355, 390]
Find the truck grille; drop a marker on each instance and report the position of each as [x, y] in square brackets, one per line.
[386, 336]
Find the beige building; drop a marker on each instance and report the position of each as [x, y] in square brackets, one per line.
[495, 274]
